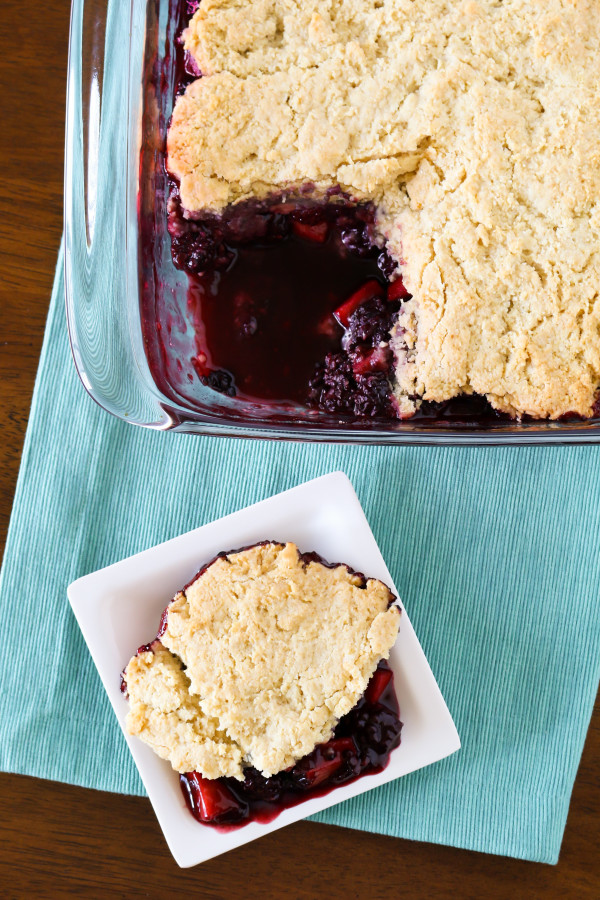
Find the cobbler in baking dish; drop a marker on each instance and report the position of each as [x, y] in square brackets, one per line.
[384, 205]
[267, 682]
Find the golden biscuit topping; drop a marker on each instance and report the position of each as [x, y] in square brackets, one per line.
[262, 655]
[475, 128]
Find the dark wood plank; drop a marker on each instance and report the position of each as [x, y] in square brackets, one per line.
[63, 841]
[33, 59]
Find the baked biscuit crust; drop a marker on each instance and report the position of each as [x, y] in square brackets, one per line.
[473, 125]
[262, 654]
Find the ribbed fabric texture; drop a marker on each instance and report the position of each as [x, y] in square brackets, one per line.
[494, 552]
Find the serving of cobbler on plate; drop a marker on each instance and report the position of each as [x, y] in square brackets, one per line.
[267, 682]
[383, 206]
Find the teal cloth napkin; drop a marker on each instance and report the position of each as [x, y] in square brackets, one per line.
[494, 552]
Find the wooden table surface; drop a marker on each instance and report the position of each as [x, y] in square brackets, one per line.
[59, 841]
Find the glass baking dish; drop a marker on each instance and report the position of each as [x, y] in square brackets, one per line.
[119, 100]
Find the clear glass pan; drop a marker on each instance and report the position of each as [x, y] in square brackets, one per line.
[120, 85]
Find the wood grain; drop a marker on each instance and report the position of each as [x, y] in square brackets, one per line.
[63, 841]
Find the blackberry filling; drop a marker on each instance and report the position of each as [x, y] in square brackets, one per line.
[291, 302]
[361, 745]
[356, 381]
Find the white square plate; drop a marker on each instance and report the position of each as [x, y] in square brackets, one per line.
[118, 609]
